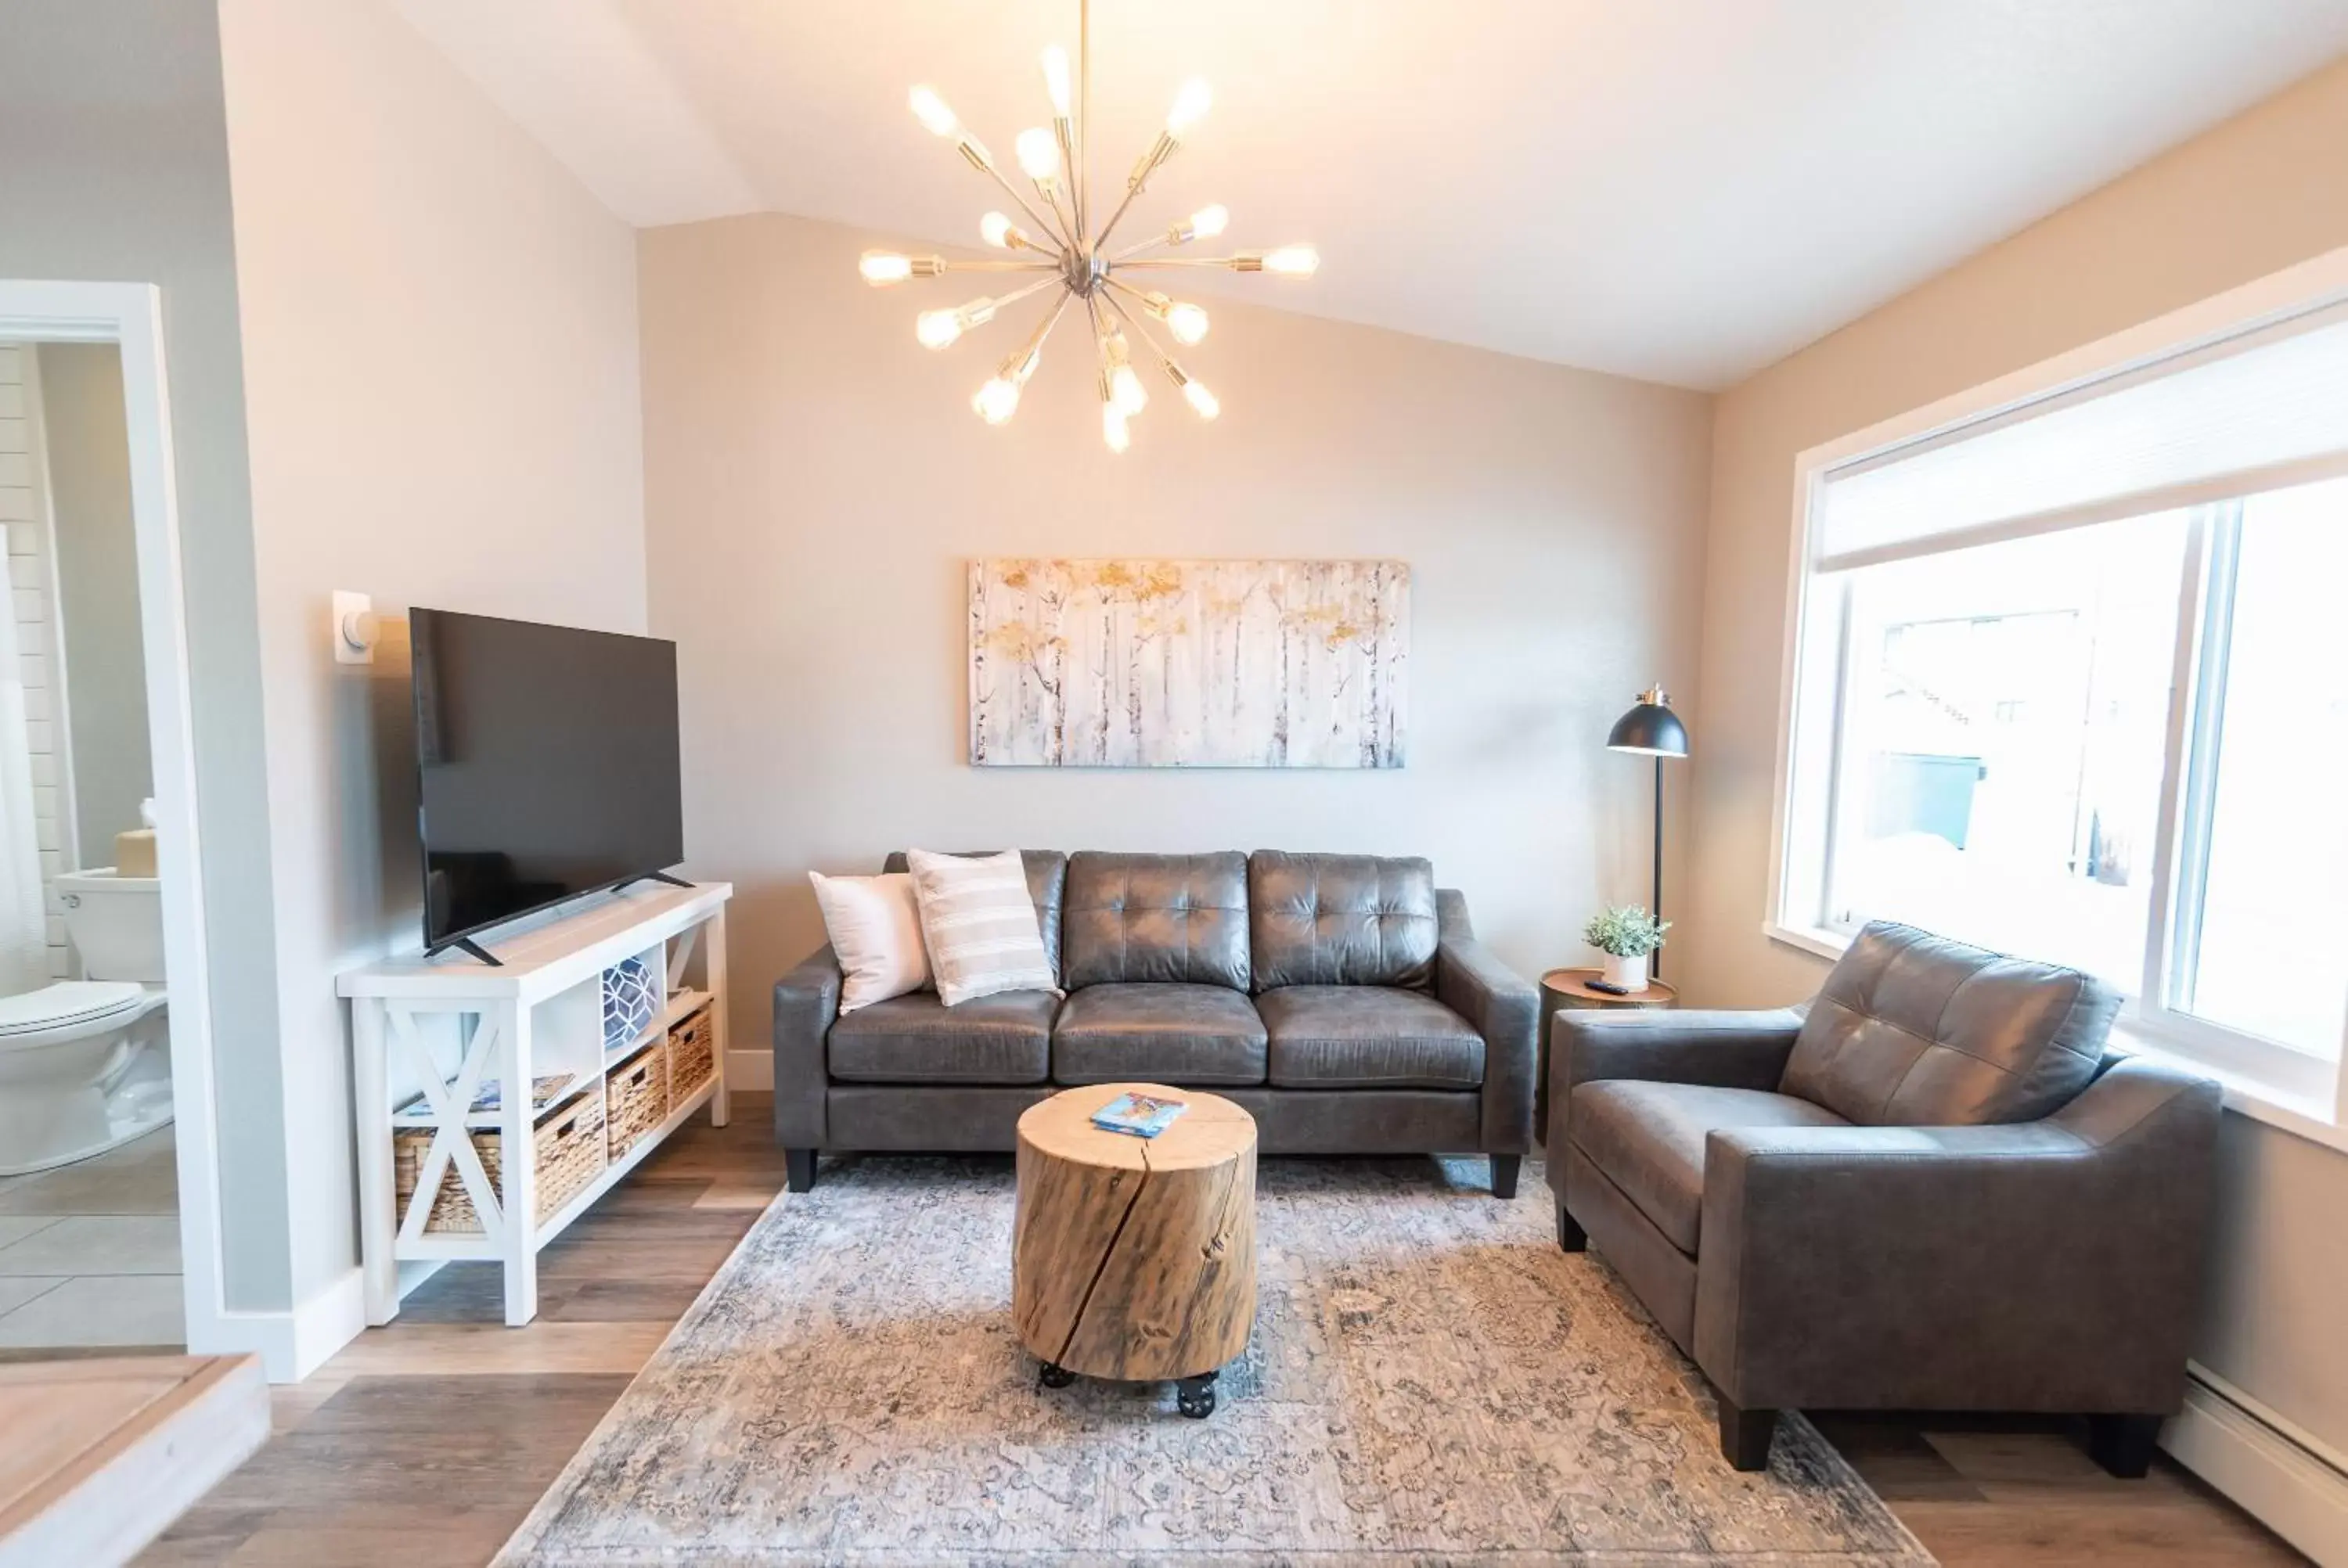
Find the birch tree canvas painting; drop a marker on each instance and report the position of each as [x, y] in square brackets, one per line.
[1198, 664]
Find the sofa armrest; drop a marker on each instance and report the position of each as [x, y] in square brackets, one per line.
[1505, 1007]
[1725, 1049]
[2048, 1265]
[807, 1002]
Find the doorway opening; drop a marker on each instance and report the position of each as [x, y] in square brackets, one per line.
[109, 1208]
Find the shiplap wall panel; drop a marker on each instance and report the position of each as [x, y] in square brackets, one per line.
[33, 580]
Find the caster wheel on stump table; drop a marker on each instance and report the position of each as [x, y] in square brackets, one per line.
[1195, 1396]
[1054, 1377]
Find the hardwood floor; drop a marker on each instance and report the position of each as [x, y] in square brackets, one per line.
[425, 1443]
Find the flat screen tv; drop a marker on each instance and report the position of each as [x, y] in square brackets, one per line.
[547, 766]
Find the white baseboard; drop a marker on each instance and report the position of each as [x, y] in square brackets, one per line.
[753, 1070]
[2276, 1480]
[291, 1345]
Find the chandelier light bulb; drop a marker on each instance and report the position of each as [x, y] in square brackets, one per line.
[1114, 429]
[882, 268]
[1209, 222]
[1055, 80]
[938, 329]
[1125, 391]
[1293, 261]
[933, 112]
[1039, 153]
[996, 230]
[1187, 323]
[1202, 400]
[997, 401]
[1192, 102]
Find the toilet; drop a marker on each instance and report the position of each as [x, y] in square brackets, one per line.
[85, 1065]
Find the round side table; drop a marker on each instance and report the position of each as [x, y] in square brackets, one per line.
[1134, 1258]
[1563, 989]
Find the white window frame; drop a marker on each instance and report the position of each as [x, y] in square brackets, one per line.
[2305, 1094]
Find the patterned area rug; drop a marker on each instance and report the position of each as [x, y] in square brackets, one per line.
[1430, 1380]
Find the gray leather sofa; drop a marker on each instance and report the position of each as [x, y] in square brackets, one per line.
[1341, 999]
[1929, 1189]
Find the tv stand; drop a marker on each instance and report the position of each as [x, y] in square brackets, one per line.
[450, 1029]
[658, 877]
[470, 949]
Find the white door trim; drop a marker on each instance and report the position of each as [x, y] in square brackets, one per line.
[130, 315]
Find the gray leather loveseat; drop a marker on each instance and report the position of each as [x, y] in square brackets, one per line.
[1341, 999]
[1931, 1189]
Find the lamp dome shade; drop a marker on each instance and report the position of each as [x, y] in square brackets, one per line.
[1650, 728]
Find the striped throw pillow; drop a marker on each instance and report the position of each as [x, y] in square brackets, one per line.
[979, 923]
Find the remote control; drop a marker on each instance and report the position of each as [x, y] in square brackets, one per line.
[1609, 987]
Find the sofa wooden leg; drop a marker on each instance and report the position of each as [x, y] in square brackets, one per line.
[798, 1167]
[1744, 1435]
[1570, 1237]
[1504, 1174]
[2123, 1444]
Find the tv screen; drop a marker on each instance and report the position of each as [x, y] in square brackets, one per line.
[547, 762]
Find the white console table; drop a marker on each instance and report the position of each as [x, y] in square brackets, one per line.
[541, 1011]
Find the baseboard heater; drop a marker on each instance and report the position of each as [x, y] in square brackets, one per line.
[2281, 1474]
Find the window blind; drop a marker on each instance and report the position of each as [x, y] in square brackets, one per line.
[2258, 412]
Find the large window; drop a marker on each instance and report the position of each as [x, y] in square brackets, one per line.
[2072, 682]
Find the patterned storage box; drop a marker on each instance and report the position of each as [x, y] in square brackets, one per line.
[571, 1154]
[631, 996]
[635, 1100]
[692, 1053]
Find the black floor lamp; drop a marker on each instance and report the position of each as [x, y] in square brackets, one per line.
[1651, 730]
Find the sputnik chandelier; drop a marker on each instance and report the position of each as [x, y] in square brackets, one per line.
[1068, 249]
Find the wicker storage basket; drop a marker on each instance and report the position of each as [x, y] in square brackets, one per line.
[635, 1100]
[571, 1153]
[692, 1053]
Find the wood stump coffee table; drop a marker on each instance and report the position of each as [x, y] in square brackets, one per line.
[1134, 1258]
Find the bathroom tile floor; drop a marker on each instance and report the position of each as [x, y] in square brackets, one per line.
[90, 1252]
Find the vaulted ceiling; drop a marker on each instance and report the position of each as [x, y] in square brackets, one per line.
[1678, 189]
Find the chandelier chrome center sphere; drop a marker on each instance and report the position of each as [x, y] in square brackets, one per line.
[1064, 244]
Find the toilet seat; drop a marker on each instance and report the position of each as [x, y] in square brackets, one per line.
[65, 1003]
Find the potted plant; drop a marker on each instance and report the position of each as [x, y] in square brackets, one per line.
[1627, 936]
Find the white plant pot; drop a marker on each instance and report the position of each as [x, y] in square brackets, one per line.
[1630, 974]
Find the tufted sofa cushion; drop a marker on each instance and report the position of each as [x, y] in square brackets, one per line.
[1915, 1031]
[1340, 921]
[1047, 874]
[1177, 918]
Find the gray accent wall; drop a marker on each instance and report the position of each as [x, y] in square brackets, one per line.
[440, 378]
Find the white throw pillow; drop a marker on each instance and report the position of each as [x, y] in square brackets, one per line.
[979, 921]
[876, 933]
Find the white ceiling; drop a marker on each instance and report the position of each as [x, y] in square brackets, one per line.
[1679, 189]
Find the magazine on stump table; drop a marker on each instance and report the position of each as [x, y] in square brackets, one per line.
[1139, 1115]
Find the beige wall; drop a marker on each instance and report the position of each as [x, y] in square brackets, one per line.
[815, 482]
[88, 446]
[440, 365]
[2255, 195]
[114, 167]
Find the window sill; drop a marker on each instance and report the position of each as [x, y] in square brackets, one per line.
[2300, 1115]
[1815, 940]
